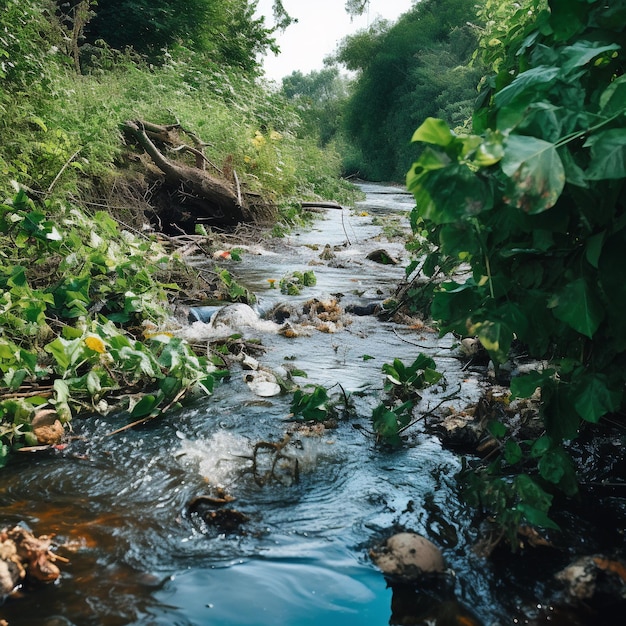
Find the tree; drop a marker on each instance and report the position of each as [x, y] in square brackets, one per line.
[226, 30]
[319, 98]
[393, 90]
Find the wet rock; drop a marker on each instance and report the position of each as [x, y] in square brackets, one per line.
[262, 383]
[47, 427]
[327, 253]
[281, 313]
[383, 257]
[11, 572]
[233, 318]
[236, 316]
[371, 308]
[408, 557]
[459, 430]
[225, 520]
[595, 575]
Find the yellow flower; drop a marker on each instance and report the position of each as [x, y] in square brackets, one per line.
[272, 282]
[275, 136]
[95, 343]
[258, 140]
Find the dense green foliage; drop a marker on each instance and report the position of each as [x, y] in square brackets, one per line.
[86, 299]
[80, 314]
[416, 68]
[226, 30]
[535, 202]
[319, 98]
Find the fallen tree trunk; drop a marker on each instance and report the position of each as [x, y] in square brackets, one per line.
[204, 195]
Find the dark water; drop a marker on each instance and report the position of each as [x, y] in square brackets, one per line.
[118, 505]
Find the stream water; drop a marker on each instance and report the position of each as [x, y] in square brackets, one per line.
[118, 505]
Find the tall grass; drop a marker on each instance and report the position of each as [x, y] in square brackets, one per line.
[66, 133]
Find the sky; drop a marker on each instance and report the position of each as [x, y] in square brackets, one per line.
[321, 25]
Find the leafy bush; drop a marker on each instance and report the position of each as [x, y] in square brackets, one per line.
[535, 203]
[75, 295]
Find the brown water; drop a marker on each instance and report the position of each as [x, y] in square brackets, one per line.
[118, 505]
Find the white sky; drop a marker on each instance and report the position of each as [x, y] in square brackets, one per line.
[321, 25]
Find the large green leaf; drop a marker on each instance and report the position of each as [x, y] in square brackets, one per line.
[556, 466]
[582, 52]
[452, 193]
[608, 155]
[525, 386]
[613, 98]
[536, 173]
[527, 82]
[496, 338]
[579, 307]
[434, 131]
[567, 18]
[593, 397]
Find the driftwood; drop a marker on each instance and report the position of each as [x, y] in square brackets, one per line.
[321, 205]
[208, 198]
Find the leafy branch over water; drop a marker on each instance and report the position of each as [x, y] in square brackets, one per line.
[535, 203]
[80, 314]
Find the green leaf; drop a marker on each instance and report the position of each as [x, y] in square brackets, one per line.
[557, 467]
[451, 193]
[527, 82]
[582, 52]
[18, 277]
[593, 397]
[540, 447]
[170, 386]
[490, 150]
[536, 172]
[434, 131]
[593, 248]
[93, 383]
[497, 429]
[496, 338]
[512, 452]
[525, 386]
[145, 406]
[536, 516]
[608, 155]
[567, 18]
[613, 98]
[579, 307]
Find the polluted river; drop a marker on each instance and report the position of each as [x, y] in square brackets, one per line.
[136, 518]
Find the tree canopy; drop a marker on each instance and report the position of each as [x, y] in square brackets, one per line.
[227, 30]
[411, 69]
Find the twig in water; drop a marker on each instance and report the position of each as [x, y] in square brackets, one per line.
[431, 411]
[419, 345]
[345, 232]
